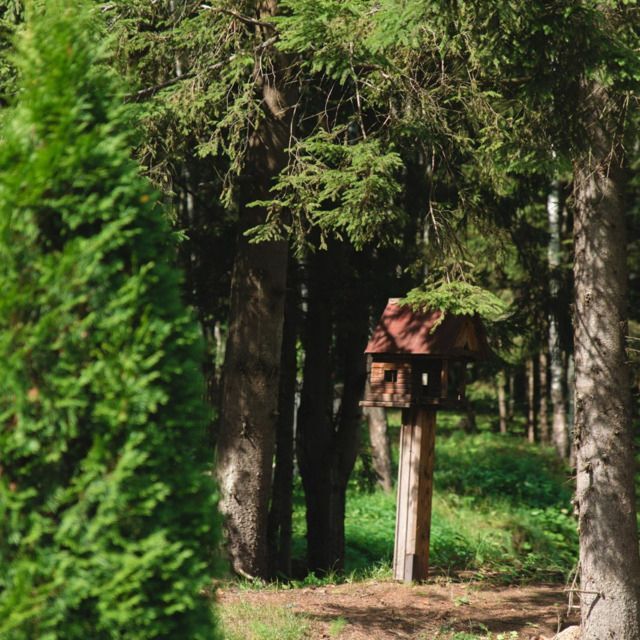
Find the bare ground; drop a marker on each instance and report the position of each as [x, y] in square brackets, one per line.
[381, 610]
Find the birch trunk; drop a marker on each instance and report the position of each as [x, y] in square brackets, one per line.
[559, 430]
[609, 560]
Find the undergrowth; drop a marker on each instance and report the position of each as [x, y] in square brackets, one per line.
[501, 510]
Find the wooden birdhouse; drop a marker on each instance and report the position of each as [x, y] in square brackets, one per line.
[418, 359]
[417, 362]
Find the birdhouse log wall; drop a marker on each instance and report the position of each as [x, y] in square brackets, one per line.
[391, 381]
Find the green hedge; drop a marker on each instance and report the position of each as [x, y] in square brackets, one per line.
[107, 512]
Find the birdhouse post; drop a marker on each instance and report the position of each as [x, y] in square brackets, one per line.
[417, 362]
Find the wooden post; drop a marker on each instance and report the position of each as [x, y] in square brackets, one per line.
[415, 489]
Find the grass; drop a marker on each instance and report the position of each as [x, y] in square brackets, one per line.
[247, 621]
[337, 626]
[501, 508]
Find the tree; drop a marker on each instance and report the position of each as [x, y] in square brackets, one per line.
[249, 406]
[218, 102]
[559, 429]
[107, 511]
[569, 70]
[609, 560]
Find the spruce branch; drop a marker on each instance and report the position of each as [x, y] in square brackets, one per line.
[148, 92]
[238, 16]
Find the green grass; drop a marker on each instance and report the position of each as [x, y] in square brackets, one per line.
[247, 621]
[501, 508]
[337, 626]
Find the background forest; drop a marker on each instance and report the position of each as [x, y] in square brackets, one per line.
[204, 208]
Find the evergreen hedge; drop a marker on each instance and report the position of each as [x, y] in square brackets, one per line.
[107, 513]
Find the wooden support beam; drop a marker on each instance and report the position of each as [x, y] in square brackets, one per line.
[415, 489]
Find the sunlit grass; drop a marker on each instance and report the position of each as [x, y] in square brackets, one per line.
[249, 621]
[501, 507]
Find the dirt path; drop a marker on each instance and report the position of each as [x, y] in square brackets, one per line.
[388, 610]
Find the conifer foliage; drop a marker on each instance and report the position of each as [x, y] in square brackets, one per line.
[106, 511]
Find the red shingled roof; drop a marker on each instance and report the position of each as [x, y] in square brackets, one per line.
[403, 330]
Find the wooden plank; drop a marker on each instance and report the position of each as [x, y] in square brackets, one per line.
[385, 403]
[427, 421]
[414, 498]
[402, 503]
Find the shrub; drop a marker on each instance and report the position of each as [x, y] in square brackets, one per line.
[106, 513]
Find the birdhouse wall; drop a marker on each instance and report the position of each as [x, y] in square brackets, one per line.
[391, 382]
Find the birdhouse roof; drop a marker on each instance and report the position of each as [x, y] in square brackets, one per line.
[401, 330]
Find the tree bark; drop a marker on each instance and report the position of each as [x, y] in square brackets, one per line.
[559, 430]
[380, 447]
[543, 416]
[531, 400]
[609, 559]
[252, 360]
[326, 449]
[315, 430]
[502, 401]
[511, 403]
[280, 513]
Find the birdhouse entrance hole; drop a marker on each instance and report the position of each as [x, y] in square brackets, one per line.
[391, 375]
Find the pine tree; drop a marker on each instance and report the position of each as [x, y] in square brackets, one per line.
[107, 522]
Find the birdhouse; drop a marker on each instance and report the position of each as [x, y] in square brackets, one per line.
[418, 359]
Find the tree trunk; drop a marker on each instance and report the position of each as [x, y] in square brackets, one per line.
[559, 430]
[380, 447]
[315, 429]
[326, 450]
[468, 421]
[511, 404]
[347, 440]
[502, 400]
[252, 360]
[609, 560]
[280, 514]
[531, 400]
[570, 385]
[543, 418]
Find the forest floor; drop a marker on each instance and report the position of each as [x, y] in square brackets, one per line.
[383, 609]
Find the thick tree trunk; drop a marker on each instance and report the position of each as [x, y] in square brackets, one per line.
[315, 429]
[326, 449]
[609, 560]
[347, 441]
[502, 401]
[559, 429]
[531, 400]
[280, 514]
[543, 416]
[380, 447]
[252, 360]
